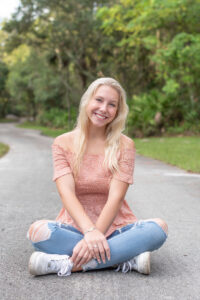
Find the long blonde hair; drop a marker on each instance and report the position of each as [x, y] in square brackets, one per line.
[113, 129]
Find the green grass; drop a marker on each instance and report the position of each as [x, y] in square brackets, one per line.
[3, 149]
[44, 130]
[183, 152]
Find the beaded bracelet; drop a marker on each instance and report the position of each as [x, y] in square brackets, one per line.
[89, 230]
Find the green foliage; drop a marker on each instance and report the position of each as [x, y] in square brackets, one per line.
[143, 110]
[33, 84]
[156, 112]
[3, 76]
[3, 149]
[171, 87]
[19, 85]
[3, 93]
[54, 49]
[178, 67]
[64, 35]
[56, 118]
[160, 45]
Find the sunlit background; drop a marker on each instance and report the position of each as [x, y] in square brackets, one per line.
[50, 51]
[7, 8]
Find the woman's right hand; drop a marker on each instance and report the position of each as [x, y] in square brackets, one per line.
[81, 254]
[97, 245]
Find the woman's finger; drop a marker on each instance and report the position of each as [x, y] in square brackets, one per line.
[102, 252]
[79, 256]
[91, 249]
[96, 251]
[88, 259]
[83, 259]
[107, 249]
[75, 254]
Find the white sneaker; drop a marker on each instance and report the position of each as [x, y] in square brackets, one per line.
[41, 263]
[140, 263]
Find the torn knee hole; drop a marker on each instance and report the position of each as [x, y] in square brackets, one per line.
[163, 225]
[39, 231]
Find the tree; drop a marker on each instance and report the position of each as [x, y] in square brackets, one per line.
[158, 46]
[144, 44]
[4, 96]
[3, 91]
[66, 33]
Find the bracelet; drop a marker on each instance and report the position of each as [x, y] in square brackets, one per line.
[89, 230]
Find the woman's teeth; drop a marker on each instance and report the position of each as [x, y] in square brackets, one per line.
[100, 116]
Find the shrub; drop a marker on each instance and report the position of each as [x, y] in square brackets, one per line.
[56, 118]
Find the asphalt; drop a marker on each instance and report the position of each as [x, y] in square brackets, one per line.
[27, 193]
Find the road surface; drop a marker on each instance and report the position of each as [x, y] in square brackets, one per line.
[27, 193]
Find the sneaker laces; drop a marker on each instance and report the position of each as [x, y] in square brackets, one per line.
[62, 266]
[126, 266]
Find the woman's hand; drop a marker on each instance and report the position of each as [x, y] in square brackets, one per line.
[81, 254]
[97, 245]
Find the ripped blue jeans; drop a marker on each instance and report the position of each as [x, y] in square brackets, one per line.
[125, 243]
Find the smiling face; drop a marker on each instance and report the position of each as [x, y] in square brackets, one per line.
[102, 107]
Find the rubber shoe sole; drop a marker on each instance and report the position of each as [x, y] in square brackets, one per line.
[144, 263]
[33, 264]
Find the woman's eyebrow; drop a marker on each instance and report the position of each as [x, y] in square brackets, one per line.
[115, 101]
[112, 100]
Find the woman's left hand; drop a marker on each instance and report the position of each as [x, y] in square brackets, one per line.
[81, 254]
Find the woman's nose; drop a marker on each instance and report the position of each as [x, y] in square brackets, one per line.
[103, 107]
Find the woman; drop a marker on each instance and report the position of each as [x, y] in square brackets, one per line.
[93, 167]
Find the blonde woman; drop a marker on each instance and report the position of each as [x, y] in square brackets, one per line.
[93, 167]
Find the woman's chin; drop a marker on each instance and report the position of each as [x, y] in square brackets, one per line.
[98, 123]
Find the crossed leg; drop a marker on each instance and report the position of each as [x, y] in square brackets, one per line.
[41, 232]
[160, 222]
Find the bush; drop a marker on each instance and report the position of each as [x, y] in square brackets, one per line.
[56, 118]
[142, 114]
[156, 112]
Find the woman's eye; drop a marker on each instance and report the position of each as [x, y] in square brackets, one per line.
[113, 105]
[99, 100]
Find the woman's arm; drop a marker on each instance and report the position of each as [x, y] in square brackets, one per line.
[116, 196]
[118, 186]
[86, 248]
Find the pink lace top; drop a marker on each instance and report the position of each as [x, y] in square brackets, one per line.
[92, 184]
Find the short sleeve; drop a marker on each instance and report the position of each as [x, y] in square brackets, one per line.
[61, 165]
[126, 166]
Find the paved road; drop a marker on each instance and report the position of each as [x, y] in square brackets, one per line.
[27, 194]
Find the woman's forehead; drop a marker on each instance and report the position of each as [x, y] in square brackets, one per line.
[106, 91]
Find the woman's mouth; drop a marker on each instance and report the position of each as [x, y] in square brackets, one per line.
[100, 116]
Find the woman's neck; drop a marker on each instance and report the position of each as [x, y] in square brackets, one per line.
[96, 133]
[95, 143]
